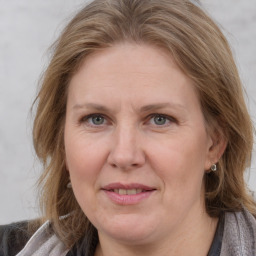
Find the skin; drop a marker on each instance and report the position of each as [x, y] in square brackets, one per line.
[128, 86]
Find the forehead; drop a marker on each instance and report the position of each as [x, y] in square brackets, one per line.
[130, 72]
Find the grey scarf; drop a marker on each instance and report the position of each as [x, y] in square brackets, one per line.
[239, 238]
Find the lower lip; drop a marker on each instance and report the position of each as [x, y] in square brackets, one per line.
[128, 199]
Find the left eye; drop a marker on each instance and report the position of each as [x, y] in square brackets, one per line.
[97, 120]
[159, 120]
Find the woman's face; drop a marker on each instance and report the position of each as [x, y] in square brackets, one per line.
[136, 144]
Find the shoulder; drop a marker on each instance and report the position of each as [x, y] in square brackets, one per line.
[13, 237]
[242, 220]
[239, 234]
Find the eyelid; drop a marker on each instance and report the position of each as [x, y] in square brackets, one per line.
[85, 118]
[171, 118]
[168, 117]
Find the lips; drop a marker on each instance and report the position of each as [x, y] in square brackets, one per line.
[127, 188]
[133, 191]
[127, 194]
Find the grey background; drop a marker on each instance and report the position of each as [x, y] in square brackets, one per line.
[27, 29]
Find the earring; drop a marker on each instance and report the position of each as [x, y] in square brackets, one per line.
[214, 168]
[69, 185]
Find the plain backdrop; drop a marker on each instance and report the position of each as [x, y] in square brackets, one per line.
[27, 29]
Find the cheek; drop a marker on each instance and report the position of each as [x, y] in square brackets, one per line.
[180, 165]
[182, 184]
[84, 158]
[85, 161]
[181, 154]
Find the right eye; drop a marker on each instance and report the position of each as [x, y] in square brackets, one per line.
[94, 120]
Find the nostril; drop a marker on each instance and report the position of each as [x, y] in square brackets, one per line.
[121, 157]
[113, 165]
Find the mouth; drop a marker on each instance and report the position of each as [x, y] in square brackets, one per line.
[127, 194]
[134, 191]
[128, 189]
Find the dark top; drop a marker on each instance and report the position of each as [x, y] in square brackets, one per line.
[13, 238]
[217, 240]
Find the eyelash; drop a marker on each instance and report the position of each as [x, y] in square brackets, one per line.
[168, 118]
[85, 119]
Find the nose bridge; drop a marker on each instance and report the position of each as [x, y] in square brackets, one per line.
[126, 151]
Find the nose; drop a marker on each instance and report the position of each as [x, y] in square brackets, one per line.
[126, 149]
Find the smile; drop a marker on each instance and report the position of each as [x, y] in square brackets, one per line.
[128, 191]
[127, 194]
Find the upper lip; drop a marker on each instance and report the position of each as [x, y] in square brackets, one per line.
[113, 186]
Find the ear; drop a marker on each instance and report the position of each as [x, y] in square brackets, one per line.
[216, 147]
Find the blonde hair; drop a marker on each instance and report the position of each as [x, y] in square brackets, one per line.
[200, 50]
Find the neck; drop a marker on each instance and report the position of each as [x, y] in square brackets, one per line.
[194, 240]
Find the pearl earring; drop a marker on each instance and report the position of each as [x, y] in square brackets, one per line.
[69, 185]
[214, 168]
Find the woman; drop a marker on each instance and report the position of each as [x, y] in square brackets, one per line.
[144, 135]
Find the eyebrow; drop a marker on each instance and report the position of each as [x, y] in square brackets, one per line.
[154, 107]
[146, 108]
[91, 106]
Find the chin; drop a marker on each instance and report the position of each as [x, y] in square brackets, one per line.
[129, 229]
